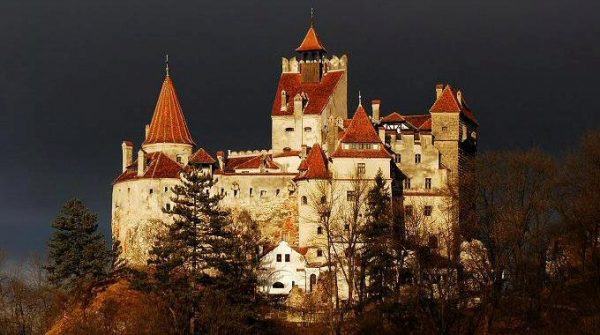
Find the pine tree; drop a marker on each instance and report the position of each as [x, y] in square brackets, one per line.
[78, 252]
[378, 251]
[201, 249]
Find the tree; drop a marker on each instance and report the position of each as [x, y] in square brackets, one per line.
[201, 254]
[78, 253]
[378, 254]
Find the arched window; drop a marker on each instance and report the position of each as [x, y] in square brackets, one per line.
[319, 230]
[313, 281]
[304, 200]
[278, 285]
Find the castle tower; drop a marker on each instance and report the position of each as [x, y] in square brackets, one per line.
[143, 188]
[311, 95]
[168, 131]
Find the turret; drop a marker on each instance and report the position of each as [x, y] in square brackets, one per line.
[127, 151]
[312, 52]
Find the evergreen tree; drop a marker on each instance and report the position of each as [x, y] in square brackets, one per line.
[78, 253]
[201, 249]
[378, 242]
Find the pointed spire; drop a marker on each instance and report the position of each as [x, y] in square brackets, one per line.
[359, 99]
[168, 122]
[311, 41]
[167, 64]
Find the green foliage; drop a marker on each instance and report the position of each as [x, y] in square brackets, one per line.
[202, 249]
[378, 248]
[78, 252]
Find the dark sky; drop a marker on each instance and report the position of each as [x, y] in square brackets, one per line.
[78, 77]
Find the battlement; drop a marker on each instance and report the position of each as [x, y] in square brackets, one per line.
[292, 65]
[247, 153]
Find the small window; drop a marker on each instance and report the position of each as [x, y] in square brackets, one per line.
[287, 258]
[350, 195]
[250, 192]
[323, 199]
[307, 129]
[222, 191]
[179, 159]
[168, 206]
[277, 192]
[278, 285]
[428, 183]
[433, 242]
[346, 227]
[407, 183]
[360, 168]
[444, 128]
[319, 253]
[417, 158]
[279, 258]
[263, 193]
[289, 130]
[166, 189]
[319, 230]
[427, 210]
[408, 211]
[151, 191]
[235, 193]
[397, 158]
[304, 200]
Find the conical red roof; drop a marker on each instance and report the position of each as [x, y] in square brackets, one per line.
[311, 42]
[315, 165]
[361, 129]
[448, 103]
[168, 123]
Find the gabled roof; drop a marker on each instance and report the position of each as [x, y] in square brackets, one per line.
[311, 41]
[361, 129]
[392, 118]
[417, 120]
[318, 93]
[315, 165]
[250, 163]
[168, 123]
[202, 157]
[448, 102]
[159, 166]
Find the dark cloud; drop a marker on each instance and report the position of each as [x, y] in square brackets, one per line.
[80, 76]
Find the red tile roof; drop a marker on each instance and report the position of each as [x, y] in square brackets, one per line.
[448, 103]
[394, 117]
[318, 93]
[311, 41]
[249, 162]
[159, 166]
[426, 125]
[417, 120]
[202, 157]
[361, 129]
[287, 153]
[315, 165]
[168, 123]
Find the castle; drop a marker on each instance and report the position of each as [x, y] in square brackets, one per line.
[317, 152]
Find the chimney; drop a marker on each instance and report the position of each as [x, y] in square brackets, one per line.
[127, 149]
[459, 98]
[298, 104]
[283, 101]
[375, 107]
[221, 159]
[141, 161]
[147, 130]
[439, 88]
[381, 132]
[304, 151]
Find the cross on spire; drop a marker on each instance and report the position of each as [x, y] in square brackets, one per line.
[312, 16]
[167, 64]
